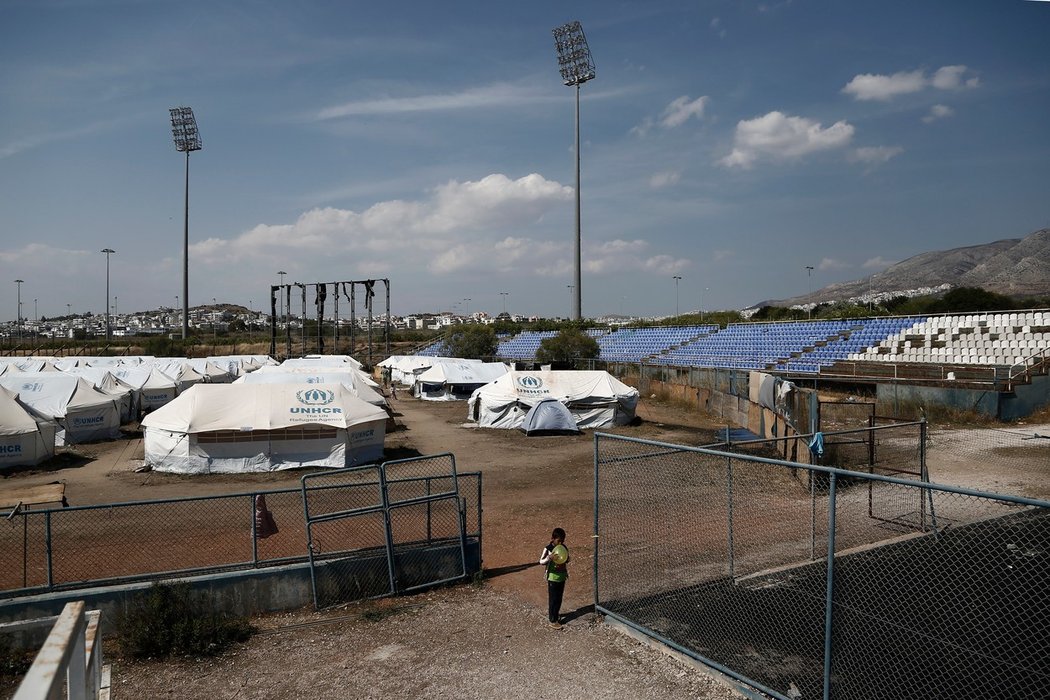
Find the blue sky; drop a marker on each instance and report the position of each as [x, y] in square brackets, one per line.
[729, 143]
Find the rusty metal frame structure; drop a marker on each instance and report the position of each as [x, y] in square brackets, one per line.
[321, 291]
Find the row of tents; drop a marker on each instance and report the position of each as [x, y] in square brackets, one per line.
[49, 402]
[533, 401]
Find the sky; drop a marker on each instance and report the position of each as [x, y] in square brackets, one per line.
[731, 144]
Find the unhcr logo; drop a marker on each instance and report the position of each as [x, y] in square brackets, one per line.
[530, 382]
[316, 402]
[315, 397]
[531, 386]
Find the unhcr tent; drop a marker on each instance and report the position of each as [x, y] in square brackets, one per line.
[25, 439]
[152, 388]
[354, 381]
[232, 428]
[316, 361]
[359, 375]
[455, 380]
[549, 417]
[596, 399]
[83, 414]
[103, 379]
[181, 371]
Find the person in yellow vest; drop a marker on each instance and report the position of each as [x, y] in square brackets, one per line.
[556, 557]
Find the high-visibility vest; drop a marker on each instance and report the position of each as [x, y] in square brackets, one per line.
[557, 572]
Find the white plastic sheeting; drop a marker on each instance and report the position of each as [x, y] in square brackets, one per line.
[83, 413]
[233, 428]
[25, 438]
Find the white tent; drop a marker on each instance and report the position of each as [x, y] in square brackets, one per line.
[596, 399]
[316, 361]
[102, 378]
[456, 380]
[211, 372]
[308, 370]
[405, 368]
[232, 428]
[83, 414]
[179, 370]
[152, 388]
[25, 439]
[354, 381]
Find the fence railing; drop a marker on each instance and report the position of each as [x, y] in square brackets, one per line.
[870, 586]
[79, 546]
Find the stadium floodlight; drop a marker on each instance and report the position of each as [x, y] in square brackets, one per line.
[108, 252]
[577, 67]
[187, 139]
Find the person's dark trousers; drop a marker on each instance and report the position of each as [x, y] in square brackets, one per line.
[555, 590]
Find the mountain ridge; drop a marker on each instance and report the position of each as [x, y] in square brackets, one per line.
[1018, 267]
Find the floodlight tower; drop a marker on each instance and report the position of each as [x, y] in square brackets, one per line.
[187, 140]
[108, 252]
[577, 67]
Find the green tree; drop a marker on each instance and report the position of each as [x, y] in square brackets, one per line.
[471, 341]
[568, 347]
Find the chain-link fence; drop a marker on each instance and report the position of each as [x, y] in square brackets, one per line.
[80, 546]
[726, 557]
[389, 528]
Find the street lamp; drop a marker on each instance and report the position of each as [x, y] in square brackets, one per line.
[504, 295]
[809, 276]
[466, 308]
[251, 313]
[176, 307]
[576, 67]
[108, 252]
[19, 284]
[702, 304]
[187, 139]
[214, 332]
[676, 280]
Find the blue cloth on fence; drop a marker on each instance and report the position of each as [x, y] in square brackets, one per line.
[816, 445]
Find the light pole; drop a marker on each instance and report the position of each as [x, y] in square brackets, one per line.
[504, 295]
[280, 295]
[571, 299]
[19, 284]
[809, 276]
[69, 310]
[702, 304]
[187, 139]
[214, 332]
[676, 278]
[466, 308]
[576, 67]
[251, 313]
[108, 252]
[176, 308]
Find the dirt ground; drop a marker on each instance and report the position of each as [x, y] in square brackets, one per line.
[488, 640]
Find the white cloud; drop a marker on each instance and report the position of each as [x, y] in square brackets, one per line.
[952, 78]
[938, 112]
[498, 95]
[717, 28]
[678, 112]
[489, 226]
[681, 109]
[832, 264]
[779, 136]
[876, 263]
[872, 86]
[664, 179]
[875, 155]
[666, 264]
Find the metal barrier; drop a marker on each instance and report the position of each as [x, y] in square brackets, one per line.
[70, 660]
[730, 559]
[81, 546]
[386, 529]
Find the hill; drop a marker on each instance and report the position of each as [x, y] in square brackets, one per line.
[1018, 267]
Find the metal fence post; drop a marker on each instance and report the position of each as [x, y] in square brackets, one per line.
[48, 549]
[729, 508]
[388, 529]
[255, 537]
[830, 590]
[594, 568]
